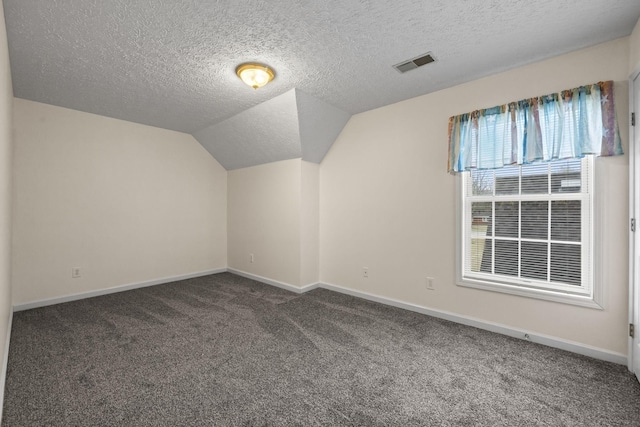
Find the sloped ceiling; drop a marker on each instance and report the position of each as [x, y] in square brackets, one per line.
[171, 63]
[291, 125]
[265, 133]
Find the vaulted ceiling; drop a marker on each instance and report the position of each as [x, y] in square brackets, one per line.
[171, 63]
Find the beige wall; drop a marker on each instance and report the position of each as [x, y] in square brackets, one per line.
[309, 224]
[634, 49]
[387, 203]
[273, 214]
[126, 203]
[6, 100]
[264, 220]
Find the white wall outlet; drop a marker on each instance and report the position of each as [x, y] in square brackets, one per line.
[365, 272]
[250, 257]
[431, 283]
[75, 272]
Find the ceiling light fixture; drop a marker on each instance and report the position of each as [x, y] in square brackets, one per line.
[255, 75]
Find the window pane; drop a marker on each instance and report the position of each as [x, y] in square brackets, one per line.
[535, 178]
[566, 176]
[507, 180]
[481, 218]
[481, 182]
[480, 229]
[506, 261]
[566, 220]
[487, 257]
[534, 260]
[507, 219]
[481, 253]
[565, 263]
[535, 220]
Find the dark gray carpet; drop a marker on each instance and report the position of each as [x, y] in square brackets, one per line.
[223, 350]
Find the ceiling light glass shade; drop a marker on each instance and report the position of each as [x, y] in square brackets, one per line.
[255, 75]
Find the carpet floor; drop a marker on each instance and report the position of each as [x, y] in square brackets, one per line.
[227, 351]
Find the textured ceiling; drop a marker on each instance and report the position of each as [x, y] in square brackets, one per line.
[170, 63]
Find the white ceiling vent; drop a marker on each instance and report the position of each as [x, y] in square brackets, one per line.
[414, 63]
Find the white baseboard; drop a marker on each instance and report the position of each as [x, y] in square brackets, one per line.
[127, 287]
[562, 344]
[5, 361]
[287, 286]
[575, 347]
[309, 287]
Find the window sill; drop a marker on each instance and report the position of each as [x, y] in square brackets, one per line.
[579, 300]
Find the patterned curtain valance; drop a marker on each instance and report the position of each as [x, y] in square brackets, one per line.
[563, 125]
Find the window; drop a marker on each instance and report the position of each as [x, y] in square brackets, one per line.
[528, 230]
[526, 194]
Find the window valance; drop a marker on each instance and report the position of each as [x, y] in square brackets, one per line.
[563, 125]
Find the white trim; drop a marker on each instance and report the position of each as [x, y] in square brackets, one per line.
[310, 287]
[106, 291]
[283, 285]
[543, 294]
[5, 362]
[632, 201]
[634, 173]
[572, 346]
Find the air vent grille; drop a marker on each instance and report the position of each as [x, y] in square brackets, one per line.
[414, 63]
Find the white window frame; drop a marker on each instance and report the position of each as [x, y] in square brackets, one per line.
[589, 295]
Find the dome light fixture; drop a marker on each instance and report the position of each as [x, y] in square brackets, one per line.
[255, 75]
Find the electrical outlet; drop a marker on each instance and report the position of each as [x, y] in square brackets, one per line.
[365, 272]
[75, 272]
[431, 283]
[250, 257]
